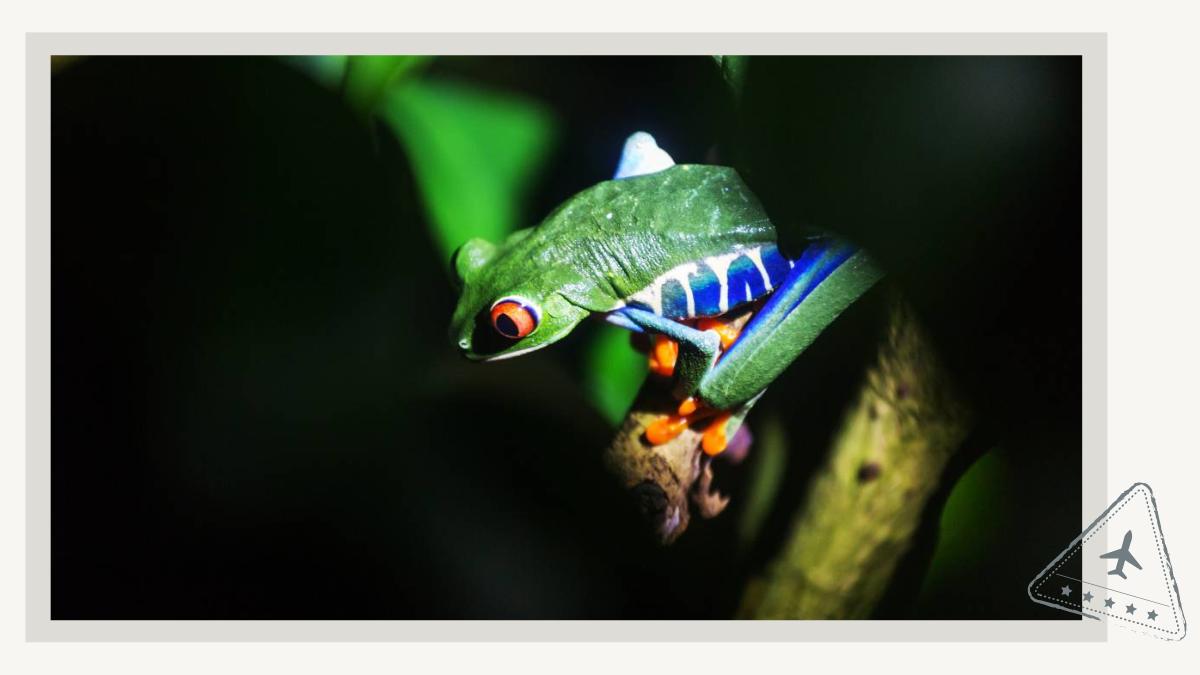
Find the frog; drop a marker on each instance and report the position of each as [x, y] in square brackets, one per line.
[675, 252]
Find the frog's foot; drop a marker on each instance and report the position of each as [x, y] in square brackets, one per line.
[664, 352]
[714, 440]
[666, 428]
[690, 411]
[725, 432]
[727, 330]
[739, 445]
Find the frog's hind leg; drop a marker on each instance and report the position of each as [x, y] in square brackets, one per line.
[827, 277]
[822, 282]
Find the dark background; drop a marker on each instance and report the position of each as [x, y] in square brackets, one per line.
[256, 412]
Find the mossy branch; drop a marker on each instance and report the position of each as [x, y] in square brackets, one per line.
[865, 503]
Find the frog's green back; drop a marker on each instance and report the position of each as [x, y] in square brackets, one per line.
[615, 238]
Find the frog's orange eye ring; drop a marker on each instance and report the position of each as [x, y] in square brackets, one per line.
[514, 318]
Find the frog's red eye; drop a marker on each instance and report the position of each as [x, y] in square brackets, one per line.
[514, 318]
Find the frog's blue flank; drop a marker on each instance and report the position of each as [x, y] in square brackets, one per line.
[714, 285]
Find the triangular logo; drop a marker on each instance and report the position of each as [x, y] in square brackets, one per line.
[1118, 570]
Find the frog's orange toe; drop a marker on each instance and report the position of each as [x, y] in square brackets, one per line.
[663, 355]
[728, 333]
[714, 441]
[665, 429]
[688, 406]
[690, 411]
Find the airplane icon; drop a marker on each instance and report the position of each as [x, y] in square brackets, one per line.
[1122, 556]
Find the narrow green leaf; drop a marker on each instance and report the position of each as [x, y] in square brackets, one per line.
[474, 154]
[768, 460]
[329, 70]
[614, 371]
[367, 79]
[733, 69]
[969, 519]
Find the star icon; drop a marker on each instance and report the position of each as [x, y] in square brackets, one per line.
[1087, 597]
[1130, 609]
[1152, 615]
[1108, 602]
[1066, 590]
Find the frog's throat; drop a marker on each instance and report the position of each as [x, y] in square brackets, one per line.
[519, 352]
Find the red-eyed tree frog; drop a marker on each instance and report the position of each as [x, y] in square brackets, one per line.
[668, 250]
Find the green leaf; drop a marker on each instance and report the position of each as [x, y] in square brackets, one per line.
[329, 70]
[733, 69]
[614, 371]
[969, 519]
[767, 464]
[367, 79]
[474, 154]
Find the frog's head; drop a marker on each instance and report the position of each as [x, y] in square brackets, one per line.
[508, 305]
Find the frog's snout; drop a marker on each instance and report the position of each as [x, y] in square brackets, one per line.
[463, 345]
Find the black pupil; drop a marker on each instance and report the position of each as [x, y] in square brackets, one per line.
[506, 326]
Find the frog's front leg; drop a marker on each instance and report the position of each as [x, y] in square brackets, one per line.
[698, 349]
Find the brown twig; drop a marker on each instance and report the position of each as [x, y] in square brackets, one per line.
[670, 478]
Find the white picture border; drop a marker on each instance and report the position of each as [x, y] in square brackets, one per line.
[1091, 47]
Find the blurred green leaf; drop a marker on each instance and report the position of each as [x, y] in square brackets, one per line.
[733, 69]
[474, 154]
[767, 462]
[969, 520]
[367, 79]
[614, 371]
[329, 70]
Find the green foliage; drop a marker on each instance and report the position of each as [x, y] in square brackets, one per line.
[367, 79]
[768, 460]
[970, 520]
[614, 372]
[733, 69]
[474, 153]
[328, 70]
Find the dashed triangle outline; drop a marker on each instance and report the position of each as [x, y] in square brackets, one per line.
[1164, 558]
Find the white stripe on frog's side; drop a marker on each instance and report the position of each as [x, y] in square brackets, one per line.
[651, 295]
[719, 264]
[755, 256]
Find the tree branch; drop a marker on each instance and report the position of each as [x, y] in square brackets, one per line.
[865, 503]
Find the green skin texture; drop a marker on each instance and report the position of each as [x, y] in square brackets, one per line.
[613, 239]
